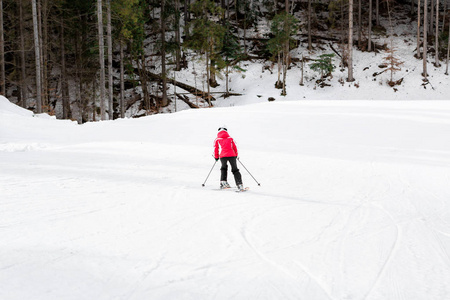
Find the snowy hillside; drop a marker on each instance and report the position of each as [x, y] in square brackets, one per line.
[353, 204]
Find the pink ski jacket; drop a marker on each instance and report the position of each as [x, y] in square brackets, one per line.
[224, 145]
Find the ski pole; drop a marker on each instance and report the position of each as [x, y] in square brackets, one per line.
[249, 172]
[209, 173]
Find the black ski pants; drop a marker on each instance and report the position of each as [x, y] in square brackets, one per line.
[234, 169]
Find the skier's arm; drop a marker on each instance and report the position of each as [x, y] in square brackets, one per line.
[234, 147]
[216, 149]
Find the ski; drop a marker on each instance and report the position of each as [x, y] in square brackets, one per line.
[231, 188]
[223, 189]
[243, 190]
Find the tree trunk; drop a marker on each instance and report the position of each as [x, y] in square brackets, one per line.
[177, 36]
[245, 32]
[110, 61]
[425, 40]
[2, 53]
[436, 38]
[101, 50]
[43, 53]
[285, 59]
[93, 105]
[226, 78]
[164, 100]
[369, 42]
[286, 52]
[418, 54]
[144, 83]
[208, 76]
[350, 41]
[122, 82]
[342, 36]
[64, 84]
[448, 51]
[186, 18]
[37, 51]
[303, 65]
[359, 23]
[23, 85]
[309, 26]
[78, 78]
[212, 72]
[42, 14]
[279, 68]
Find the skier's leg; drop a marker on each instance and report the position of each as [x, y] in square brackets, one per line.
[235, 171]
[224, 169]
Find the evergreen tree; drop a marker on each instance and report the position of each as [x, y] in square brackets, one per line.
[324, 65]
[130, 23]
[64, 53]
[206, 35]
[247, 17]
[230, 53]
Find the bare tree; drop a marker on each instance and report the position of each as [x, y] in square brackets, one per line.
[37, 51]
[101, 51]
[393, 62]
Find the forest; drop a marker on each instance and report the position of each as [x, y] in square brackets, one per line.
[93, 60]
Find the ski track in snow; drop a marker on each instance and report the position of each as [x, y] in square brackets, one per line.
[353, 206]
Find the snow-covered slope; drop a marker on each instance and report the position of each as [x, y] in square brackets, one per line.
[353, 204]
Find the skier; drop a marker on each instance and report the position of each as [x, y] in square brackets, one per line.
[226, 150]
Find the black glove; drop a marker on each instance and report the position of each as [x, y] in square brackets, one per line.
[216, 159]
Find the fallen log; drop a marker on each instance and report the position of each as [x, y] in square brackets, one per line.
[184, 86]
[185, 99]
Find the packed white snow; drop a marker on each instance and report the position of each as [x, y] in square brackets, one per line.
[353, 204]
